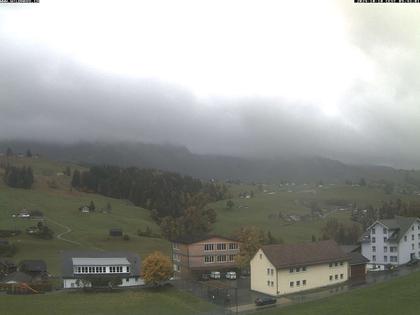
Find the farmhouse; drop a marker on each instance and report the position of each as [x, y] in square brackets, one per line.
[80, 269]
[391, 242]
[290, 268]
[192, 257]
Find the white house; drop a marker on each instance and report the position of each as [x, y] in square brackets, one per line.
[79, 268]
[391, 242]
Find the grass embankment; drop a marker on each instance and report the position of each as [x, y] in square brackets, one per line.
[400, 296]
[143, 302]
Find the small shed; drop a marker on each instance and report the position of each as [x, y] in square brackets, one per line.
[115, 232]
[357, 266]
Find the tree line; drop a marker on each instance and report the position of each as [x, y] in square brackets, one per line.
[177, 202]
[19, 177]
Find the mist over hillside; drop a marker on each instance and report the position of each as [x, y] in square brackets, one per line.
[180, 159]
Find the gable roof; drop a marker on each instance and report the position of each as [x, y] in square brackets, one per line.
[195, 239]
[35, 265]
[356, 258]
[69, 257]
[303, 254]
[399, 225]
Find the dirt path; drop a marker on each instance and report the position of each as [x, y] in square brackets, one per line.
[67, 230]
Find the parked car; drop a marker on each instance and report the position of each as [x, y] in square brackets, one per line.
[231, 275]
[265, 301]
[205, 277]
[215, 275]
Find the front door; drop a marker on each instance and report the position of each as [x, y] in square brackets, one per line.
[412, 256]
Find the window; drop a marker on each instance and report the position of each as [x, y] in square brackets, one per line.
[385, 249]
[208, 247]
[341, 276]
[412, 237]
[405, 238]
[291, 270]
[412, 246]
[393, 258]
[231, 257]
[331, 265]
[385, 231]
[418, 236]
[268, 283]
[128, 269]
[233, 246]
[298, 283]
[272, 283]
[175, 246]
[373, 248]
[221, 258]
[336, 277]
[393, 249]
[385, 258]
[268, 271]
[221, 246]
[373, 258]
[373, 231]
[303, 282]
[208, 259]
[127, 279]
[385, 239]
[412, 228]
[291, 284]
[341, 263]
[373, 240]
[331, 277]
[336, 264]
[297, 269]
[303, 268]
[272, 271]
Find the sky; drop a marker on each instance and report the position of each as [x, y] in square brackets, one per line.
[234, 77]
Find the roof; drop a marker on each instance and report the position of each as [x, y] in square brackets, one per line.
[303, 254]
[17, 277]
[100, 261]
[356, 258]
[399, 225]
[33, 265]
[67, 259]
[349, 248]
[195, 239]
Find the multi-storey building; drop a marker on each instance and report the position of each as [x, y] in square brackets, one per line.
[290, 268]
[194, 256]
[79, 268]
[391, 242]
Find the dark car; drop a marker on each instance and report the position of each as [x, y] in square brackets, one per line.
[265, 301]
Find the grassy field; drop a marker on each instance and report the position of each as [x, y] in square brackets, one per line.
[400, 296]
[263, 209]
[142, 302]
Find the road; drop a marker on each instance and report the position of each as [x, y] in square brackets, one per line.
[67, 230]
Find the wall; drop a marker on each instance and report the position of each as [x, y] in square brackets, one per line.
[259, 277]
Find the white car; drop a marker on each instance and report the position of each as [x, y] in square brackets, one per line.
[231, 275]
[215, 275]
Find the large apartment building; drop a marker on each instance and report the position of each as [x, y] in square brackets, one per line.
[194, 256]
[391, 242]
[290, 268]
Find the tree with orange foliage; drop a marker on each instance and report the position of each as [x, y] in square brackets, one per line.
[156, 268]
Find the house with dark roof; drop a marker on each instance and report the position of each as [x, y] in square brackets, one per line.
[82, 268]
[290, 268]
[194, 256]
[391, 242]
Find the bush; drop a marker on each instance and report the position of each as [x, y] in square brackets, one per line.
[148, 232]
[9, 233]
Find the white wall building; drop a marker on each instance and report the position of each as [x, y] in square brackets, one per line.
[391, 242]
[80, 267]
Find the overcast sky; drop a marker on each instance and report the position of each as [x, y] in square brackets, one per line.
[250, 78]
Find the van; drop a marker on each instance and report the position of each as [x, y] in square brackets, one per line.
[215, 275]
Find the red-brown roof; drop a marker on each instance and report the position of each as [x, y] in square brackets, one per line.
[303, 254]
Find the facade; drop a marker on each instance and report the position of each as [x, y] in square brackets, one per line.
[78, 268]
[391, 242]
[193, 257]
[357, 263]
[290, 268]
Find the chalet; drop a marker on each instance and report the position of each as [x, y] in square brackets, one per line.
[391, 242]
[80, 268]
[290, 268]
[193, 256]
[35, 268]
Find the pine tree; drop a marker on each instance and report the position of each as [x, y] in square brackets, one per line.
[92, 206]
[75, 182]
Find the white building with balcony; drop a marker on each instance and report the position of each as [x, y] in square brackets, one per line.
[391, 242]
